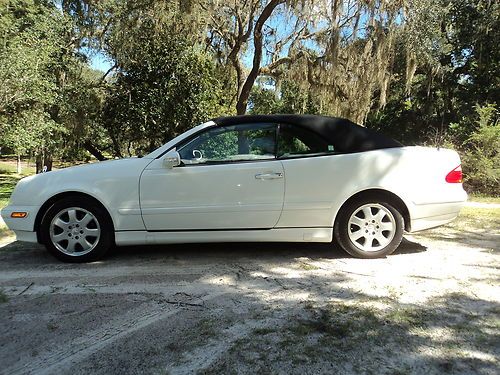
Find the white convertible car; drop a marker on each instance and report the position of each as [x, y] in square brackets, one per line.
[245, 178]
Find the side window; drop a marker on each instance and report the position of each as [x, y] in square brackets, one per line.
[294, 141]
[231, 144]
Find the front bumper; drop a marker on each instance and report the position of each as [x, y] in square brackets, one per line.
[23, 227]
[25, 236]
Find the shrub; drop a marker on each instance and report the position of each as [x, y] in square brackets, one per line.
[481, 153]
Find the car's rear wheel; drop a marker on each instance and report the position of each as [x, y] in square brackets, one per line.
[76, 229]
[368, 228]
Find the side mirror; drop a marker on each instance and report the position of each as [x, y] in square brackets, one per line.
[172, 159]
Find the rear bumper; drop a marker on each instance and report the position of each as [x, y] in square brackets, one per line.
[432, 215]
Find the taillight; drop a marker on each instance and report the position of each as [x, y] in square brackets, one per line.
[455, 176]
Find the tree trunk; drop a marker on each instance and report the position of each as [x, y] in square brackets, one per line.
[19, 168]
[39, 162]
[94, 151]
[241, 105]
[47, 162]
[116, 147]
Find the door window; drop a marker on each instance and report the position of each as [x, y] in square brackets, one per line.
[246, 142]
[295, 141]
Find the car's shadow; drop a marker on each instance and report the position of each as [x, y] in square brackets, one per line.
[25, 253]
[255, 250]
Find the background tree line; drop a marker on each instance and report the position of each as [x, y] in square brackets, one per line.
[421, 71]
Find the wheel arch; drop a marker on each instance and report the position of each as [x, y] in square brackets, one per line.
[389, 196]
[66, 194]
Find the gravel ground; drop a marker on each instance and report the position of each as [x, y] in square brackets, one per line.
[431, 308]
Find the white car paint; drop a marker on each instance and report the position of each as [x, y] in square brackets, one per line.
[212, 196]
[149, 203]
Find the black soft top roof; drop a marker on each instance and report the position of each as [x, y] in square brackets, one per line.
[344, 135]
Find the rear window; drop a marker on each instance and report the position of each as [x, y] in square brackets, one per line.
[295, 141]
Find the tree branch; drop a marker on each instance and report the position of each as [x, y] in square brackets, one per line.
[93, 150]
[103, 78]
[241, 105]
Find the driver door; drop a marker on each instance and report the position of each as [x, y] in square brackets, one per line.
[229, 179]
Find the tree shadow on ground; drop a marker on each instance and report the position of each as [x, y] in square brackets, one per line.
[355, 337]
[268, 318]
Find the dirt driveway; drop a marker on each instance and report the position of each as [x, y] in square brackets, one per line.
[432, 307]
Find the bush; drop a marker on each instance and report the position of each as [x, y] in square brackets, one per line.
[481, 154]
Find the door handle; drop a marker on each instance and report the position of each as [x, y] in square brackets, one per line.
[269, 176]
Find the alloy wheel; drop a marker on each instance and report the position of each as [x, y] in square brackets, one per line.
[371, 227]
[75, 231]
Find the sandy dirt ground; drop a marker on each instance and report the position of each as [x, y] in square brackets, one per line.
[431, 308]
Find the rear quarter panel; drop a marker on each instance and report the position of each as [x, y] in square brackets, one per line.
[317, 187]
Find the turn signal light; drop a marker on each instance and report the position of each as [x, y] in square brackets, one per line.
[18, 215]
[455, 176]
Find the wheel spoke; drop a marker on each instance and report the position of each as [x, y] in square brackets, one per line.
[382, 240]
[72, 216]
[86, 220]
[357, 221]
[357, 235]
[380, 215]
[386, 226]
[369, 244]
[368, 213]
[84, 243]
[71, 245]
[59, 237]
[59, 223]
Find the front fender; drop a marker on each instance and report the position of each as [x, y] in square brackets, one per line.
[114, 184]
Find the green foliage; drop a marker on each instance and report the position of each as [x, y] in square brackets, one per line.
[8, 180]
[30, 38]
[291, 98]
[164, 87]
[179, 63]
[457, 67]
[481, 156]
[3, 297]
[220, 147]
[49, 97]
[263, 101]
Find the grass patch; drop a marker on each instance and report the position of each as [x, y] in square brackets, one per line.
[10, 167]
[477, 218]
[483, 199]
[307, 267]
[5, 232]
[3, 297]
[9, 179]
[7, 184]
[263, 331]
[52, 326]
[410, 317]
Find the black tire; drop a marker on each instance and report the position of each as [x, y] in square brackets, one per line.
[101, 220]
[343, 228]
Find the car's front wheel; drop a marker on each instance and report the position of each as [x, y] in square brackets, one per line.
[76, 229]
[367, 228]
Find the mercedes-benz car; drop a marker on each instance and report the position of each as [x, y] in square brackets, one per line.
[296, 178]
